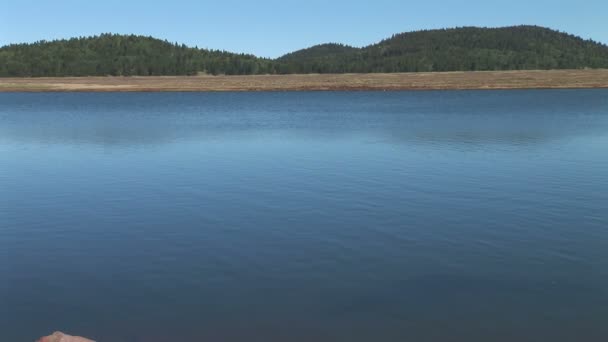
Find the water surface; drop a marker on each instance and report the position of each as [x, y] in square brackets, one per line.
[363, 216]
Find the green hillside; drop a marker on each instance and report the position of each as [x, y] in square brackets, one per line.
[121, 55]
[461, 49]
[458, 49]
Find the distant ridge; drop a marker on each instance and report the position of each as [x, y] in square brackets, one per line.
[456, 49]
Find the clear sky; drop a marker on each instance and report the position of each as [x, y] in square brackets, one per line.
[271, 28]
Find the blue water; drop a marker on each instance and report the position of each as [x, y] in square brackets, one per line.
[363, 216]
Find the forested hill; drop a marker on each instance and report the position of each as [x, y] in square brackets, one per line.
[124, 55]
[459, 49]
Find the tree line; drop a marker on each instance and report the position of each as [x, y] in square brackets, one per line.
[459, 49]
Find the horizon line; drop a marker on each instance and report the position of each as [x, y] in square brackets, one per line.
[196, 46]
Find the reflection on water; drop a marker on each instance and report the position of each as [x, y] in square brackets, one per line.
[427, 216]
[416, 117]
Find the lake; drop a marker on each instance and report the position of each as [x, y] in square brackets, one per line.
[305, 216]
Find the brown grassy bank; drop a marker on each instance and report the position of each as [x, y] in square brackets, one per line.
[398, 81]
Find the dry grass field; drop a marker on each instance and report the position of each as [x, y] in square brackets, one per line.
[398, 81]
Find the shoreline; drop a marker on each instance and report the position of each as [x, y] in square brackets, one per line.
[471, 80]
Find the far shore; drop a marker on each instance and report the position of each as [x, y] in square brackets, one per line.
[536, 79]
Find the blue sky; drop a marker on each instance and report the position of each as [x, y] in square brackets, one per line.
[271, 28]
